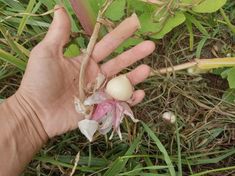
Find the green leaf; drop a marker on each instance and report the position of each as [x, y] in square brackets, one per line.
[161, 148]
[117, 166]
[209, 6]
[48, 4]
[11, 42]
[229, 96]
[200, 46]
[12, 60]
[191, 36]
[25, 17]
[72, 51]
[128, 43]
[140, 7]
[147, 24]
[116, 10]
[197, 24]
[170, 24]
[231, 78]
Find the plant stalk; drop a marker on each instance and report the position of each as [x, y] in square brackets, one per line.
[90, 47]
[199, 64]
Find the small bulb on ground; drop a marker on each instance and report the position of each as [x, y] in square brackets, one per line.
[169, 117]
[120, 88]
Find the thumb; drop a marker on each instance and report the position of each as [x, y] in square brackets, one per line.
[59, 31]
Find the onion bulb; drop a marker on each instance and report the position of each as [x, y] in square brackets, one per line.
[120, 88]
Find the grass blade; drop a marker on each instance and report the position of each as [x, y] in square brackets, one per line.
[120, 163]
[25, 17]
[161, 148]
[200, 46]
[12, 59]
[11, 42]
[198, 25]
[191, 36]
[145, 168]
[214, 170]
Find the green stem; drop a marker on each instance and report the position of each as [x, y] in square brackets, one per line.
[230, 25]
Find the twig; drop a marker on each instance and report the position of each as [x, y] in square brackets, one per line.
[75, 164]
[89, 50]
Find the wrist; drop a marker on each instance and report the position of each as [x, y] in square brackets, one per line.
[22, 135]
[25, 121]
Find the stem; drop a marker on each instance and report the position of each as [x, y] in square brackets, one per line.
[230, 25]
[75, 164]
[89, 50]
[200, 64]
[207, 64]
[173, 69]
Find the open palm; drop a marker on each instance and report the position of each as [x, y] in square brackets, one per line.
[50, 82]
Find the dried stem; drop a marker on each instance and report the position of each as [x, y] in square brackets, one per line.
[75, 164]
[89, 50]
[172, 69]
[200, 64]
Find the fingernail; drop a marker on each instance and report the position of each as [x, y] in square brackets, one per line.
[137, 19]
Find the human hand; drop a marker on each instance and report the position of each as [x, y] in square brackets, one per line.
[50, 81]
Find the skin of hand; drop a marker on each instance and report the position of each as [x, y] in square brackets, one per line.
[50, 81]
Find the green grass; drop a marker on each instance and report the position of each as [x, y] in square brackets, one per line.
[200, 143]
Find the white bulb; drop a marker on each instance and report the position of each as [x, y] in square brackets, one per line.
[120, 88]
[169, 116]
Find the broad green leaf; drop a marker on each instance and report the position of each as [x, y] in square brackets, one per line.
[128, 43]
[231, 78]
[96, 4]
[116, 10]
[147, 24]
[139, 7]
[170, 24]
[229, 96]
[209, 6]
[72, 51]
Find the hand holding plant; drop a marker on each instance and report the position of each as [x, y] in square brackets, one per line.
[51, 80]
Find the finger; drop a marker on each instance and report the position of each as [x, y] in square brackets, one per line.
[112, 40]
[59, 31]
[137, 97]
[139, 74]
[127, 58]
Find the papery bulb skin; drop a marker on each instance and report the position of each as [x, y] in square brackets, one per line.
[169, 117]
[120, 88]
